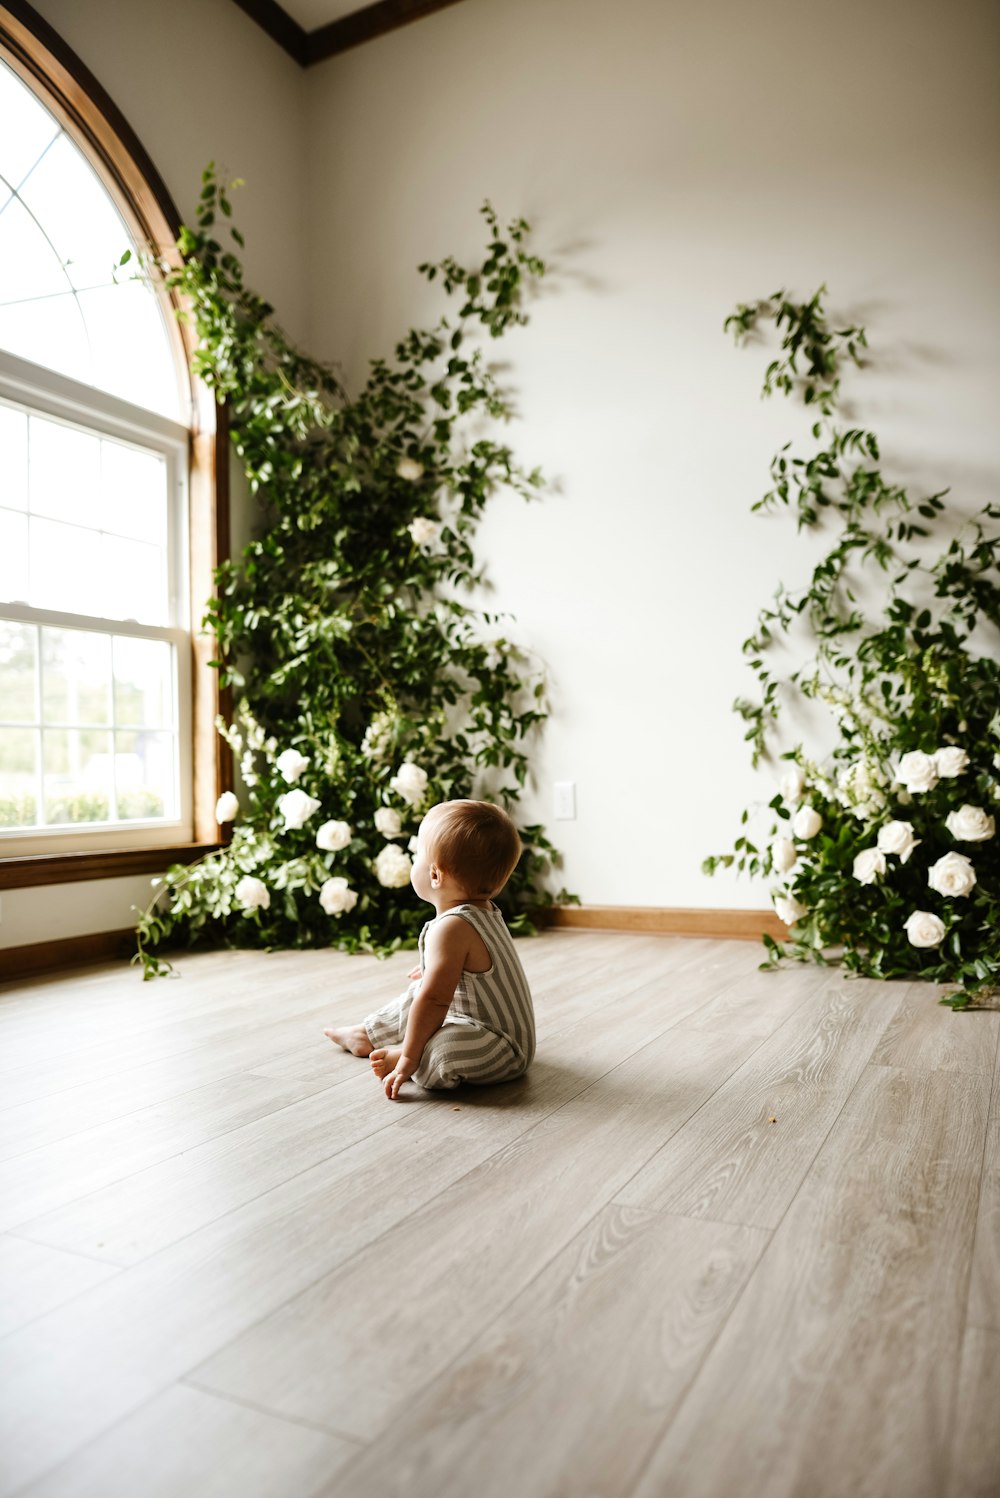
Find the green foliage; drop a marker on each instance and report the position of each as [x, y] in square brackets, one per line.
[344, 628]
[906, 801]
[78, 808]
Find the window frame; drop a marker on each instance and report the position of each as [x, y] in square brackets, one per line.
[69, 90]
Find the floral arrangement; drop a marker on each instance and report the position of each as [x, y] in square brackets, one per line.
[883, 854]
[366, 687]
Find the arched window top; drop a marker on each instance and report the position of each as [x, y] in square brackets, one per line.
[61, 236]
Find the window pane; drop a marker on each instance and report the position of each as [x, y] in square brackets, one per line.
[18, 777]
[129, 343]
[64, 568]
[13, 458]
[133, 489]
[13, 557]
[26, 127]
[144, 688]
[61, 237]
[134, 580]
[18, 672]
[63, 472]
[144, 770]
[49, 332]
[99, 543]
[76, 677]
[31, 267]
[84, 226]
[79, 775]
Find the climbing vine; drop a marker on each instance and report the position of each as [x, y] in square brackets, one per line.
[883, 853]
[366, 684]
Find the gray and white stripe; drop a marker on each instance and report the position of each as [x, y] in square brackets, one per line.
[489, 1031]
[498, 999]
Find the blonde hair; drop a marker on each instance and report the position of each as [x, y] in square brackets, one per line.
[473, 842]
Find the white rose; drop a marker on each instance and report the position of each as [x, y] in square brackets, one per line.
[897, 837]
[410, 782]
[970, 824]
[950, 761]
[226, 808]
[869, 866]
[924, 929]
[335, 897]
[252, 894]
[392, 867]
[296, 808]
[333, 836]
[423, 531]
[409, 468]
[917, 771]
[952, 875]
[290, 765]
[788, 909]
[793, 783]
[388, 822]
[806, 822]
[783, 854]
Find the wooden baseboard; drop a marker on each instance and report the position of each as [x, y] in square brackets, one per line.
[71, 951]
[738, 925]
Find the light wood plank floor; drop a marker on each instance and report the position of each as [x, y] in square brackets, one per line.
[735, 1233]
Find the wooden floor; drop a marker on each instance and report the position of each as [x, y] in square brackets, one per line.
[737, 1235]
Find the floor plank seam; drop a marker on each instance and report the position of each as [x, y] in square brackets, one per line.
[767, 1249]
[967, 1324]
[127, 1067]
[483, 1332]
[79, 1253]
[881, 1160]
[704, 1104]
[93, 1439]
[171, 1097]
[264, 1409]
[20, 1228]
[371, 1248]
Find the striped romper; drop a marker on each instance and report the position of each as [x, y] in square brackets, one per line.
[488, 1033]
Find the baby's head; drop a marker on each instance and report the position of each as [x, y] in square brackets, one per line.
[474, 842]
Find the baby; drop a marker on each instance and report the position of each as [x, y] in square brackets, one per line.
[467, 1014]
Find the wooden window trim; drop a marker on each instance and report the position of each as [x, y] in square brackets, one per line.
[75, 96]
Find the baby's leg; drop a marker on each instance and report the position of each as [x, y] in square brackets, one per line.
[386, 1025]
[466, 1053]
[353, 1038]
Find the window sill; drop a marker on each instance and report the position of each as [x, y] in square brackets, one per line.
[68, 868]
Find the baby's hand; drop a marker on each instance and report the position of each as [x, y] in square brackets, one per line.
[393, 1082]
[414, 974]
[392, 1070]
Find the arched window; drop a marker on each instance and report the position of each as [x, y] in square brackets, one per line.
[108, 523]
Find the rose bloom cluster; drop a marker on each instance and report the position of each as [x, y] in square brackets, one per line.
[391, 867]
[953, 875]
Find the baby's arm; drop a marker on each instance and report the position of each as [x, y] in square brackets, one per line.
[446, 949]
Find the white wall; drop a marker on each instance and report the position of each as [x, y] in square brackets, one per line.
[197, 80]
[674, 158]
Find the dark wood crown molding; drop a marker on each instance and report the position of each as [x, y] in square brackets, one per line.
[309, 47]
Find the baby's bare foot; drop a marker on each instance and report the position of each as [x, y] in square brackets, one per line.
[383, 1061]
[353, 1038]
